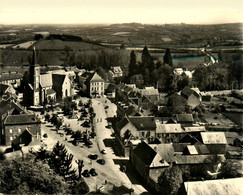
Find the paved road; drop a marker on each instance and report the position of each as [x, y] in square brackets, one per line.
[104, 133]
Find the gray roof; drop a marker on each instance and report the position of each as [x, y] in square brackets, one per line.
[5, 77]
[184, 118]
[143, 122]
[213, 138]
[220, 186]
[21, 119]
[45, 80]
[169, 128]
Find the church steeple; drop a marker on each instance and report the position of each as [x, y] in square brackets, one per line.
[33, 60]
[34, 71]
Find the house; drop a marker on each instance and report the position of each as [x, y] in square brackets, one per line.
[111, 91]
[191, 96]
[6, 91]
[185, 119]
[133, 127]
[13, 79]
[61, 85]
[215, 141]
[148, 163]
[151, 160]
[15, 126]
[116, 72]
[169, 133]
[178, 71]
[14, 120]
[151, 93]
[95, 85]
[232, 186]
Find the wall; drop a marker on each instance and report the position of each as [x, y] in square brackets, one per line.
[35, 129]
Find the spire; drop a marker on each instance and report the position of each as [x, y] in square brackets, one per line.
[33, 61]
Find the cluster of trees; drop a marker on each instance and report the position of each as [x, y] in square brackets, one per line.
[41, 172]
[221, 75]
[99, 57]
[68, 106]
[149, 73]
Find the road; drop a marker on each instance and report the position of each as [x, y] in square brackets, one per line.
[103, 133]
[109, 172]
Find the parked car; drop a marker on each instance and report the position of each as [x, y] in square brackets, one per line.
[103, 151]
[101, 161]
[93, 156]
[86, 173]
[123, 168]
[108, 126]
[93, 172]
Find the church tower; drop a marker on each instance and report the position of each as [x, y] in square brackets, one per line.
[34, 73]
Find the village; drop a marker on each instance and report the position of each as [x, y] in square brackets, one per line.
[128, 134]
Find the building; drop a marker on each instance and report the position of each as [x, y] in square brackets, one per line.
[169, 133]
[191, 96]
[44, 88]
[6, 91]
[220, 186]
[14, 121]
[185, 119]
[215, 141]
[116, 72]
[95, 85]
[13, 79]
[61, 85]
[151, 160]
[16, 125]
[133, 128]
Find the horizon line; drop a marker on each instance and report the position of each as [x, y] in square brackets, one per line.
[108, 23]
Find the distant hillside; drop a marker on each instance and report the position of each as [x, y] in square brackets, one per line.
[58, 45]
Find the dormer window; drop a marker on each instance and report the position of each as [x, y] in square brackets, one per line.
[162, 161]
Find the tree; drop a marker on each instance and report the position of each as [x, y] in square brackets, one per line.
[29, 177]
[61, 162]
[38, 37]
[170, 180]
[147, 60]
[132, 64]
[182, 83]
[168, 58]
[42, 154]
[100, 71]
[47, 117]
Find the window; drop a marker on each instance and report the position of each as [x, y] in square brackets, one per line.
[19, 130]
[10, 130]
[143, 134]
[11, 138]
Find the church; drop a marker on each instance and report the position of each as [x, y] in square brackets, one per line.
[44, 88]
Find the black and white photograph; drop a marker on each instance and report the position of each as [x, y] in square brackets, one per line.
[128, 97]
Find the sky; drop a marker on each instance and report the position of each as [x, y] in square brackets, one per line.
[120, 11]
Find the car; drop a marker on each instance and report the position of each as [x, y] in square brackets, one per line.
[93, 172]
[93, 156]
[123, 168]
[108, 127]
[101, 161]
[103, 151]
[86, 173]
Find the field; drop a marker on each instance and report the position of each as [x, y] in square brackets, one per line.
[182, 39]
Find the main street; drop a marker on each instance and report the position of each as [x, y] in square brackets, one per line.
[110, 172]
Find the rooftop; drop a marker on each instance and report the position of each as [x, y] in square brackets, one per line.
[220, 186]
[213, 138]
[21, 119]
